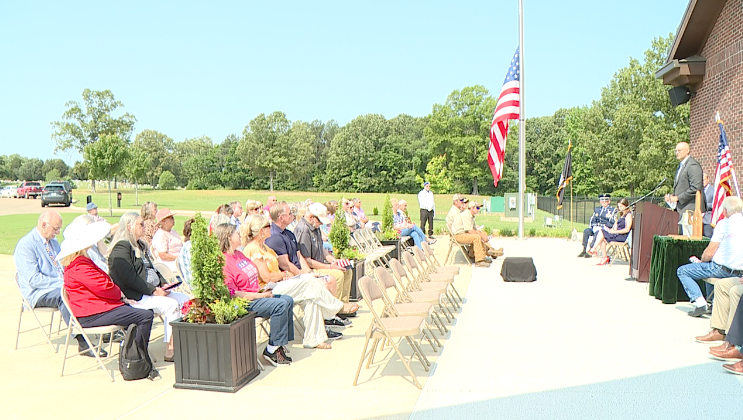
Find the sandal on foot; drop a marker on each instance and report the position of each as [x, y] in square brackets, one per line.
[352, 308]
[321, 346]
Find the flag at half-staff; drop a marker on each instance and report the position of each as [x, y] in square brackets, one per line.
[565, 177]
[506, 109]
[725, 179]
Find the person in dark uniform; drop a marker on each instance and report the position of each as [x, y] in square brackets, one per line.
[603, 215]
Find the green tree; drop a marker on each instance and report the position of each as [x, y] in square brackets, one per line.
[388, 222]
[59, 165]
[52, 175]
[460, 129]
[167, 181]
[84, 124]
[201, 166]
[436, 175]
[79, 171]
[31, 170]
[136, 168]
[265, 146]
[161, 151]
[106, 159]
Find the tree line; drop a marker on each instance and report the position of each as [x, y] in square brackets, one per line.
[622, 143]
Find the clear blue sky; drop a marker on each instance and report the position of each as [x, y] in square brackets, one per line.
[207, 68]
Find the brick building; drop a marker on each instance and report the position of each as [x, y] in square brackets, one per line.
[707, 57]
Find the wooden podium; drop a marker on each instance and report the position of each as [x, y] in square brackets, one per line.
[649, 220]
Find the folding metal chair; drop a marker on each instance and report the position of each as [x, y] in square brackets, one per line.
[385, 329]
[26, 307]
[86, 332]
[420, 282]
[453, 246]
[409, 293]
[433, 273]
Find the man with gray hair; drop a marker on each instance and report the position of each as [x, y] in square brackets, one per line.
[40, 275]
[722, 258]
[237, 212]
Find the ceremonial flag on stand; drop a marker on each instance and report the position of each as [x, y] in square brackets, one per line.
[506, 109]
[724, 174]
[565, 178]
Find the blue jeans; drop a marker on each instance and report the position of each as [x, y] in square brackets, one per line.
[416, 233]
[279, 309]
[689, 273]
[53, 299]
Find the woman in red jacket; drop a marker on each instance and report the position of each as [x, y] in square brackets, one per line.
[94, 299]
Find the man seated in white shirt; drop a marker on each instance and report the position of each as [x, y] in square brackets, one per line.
[722, 258]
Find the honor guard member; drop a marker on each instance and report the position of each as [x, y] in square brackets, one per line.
[603, 215]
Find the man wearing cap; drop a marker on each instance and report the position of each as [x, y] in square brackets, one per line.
[603, 215]
[464, 232]
[93, 211]
[459, 203]
[40, 275]
[427, 208]
[687, 182]
[309, 242]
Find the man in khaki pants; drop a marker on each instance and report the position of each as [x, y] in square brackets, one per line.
[464, 232]
[727, 295]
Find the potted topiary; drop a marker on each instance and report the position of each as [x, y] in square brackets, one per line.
[215, 346]
[340, 237]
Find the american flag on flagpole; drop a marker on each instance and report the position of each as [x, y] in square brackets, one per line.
[506, 109]
[724, 174]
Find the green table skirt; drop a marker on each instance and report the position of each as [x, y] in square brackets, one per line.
[667, 256]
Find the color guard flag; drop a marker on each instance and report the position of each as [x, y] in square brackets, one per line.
[724, 174]
[506, 109]
[565, 177]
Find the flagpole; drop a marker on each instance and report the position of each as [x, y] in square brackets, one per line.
[522, 120]
[571, 207]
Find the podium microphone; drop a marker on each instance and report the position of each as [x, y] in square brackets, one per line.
[651, 192]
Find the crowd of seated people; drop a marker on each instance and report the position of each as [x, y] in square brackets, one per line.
[617, 233]
[110, 274]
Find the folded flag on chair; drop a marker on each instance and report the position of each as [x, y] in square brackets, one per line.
[343, 263]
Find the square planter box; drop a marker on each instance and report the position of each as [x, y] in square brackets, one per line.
[397, 252]
[215, 357]
[358, 272]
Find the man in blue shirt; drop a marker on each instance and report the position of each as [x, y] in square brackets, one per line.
[40, 275]
[602, 216]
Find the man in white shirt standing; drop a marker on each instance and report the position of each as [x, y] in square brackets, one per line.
[722, 258]
[428, 208]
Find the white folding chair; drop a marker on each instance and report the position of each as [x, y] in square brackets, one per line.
[86, 332]
[26, 307]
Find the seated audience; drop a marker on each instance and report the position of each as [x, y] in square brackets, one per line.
[241, 277]
[361, 216]
[405, 226]
[92, 210]
[722, 257]
[184, 259]
[167, 243]
[253, 207]
[270, 201]
[237, 213]
[352, 221]
[464, 232]
[727, 296]
[40, 275]
[222, 212]
[618, 233]
[98, 250]
[602, 216]
[332, 206]
[284, 244]
[730, 350]
[306, 290]
[130, 267]
[94, 299]
[459, 204]
[149, 215]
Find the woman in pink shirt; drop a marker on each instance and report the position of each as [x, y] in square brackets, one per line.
[167, 243]
[241, 277]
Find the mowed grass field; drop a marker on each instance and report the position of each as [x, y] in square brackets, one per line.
[13, 227]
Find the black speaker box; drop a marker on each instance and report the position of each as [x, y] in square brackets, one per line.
[679, 95]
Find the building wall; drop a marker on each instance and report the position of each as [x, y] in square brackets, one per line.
[721, 91]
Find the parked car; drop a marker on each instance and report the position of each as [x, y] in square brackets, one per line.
[55, 194]
[9, 191]
[66, 184]
[30, 189]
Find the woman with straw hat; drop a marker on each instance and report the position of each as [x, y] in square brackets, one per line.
[94, 298]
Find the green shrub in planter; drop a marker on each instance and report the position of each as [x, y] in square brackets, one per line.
[375, 211]
[388, 222]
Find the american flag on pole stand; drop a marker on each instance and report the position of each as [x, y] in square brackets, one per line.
[506, 109]
[723, 175]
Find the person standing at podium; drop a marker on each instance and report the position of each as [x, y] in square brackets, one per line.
[687, 181]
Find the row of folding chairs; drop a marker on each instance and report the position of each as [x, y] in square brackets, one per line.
[423, 292]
